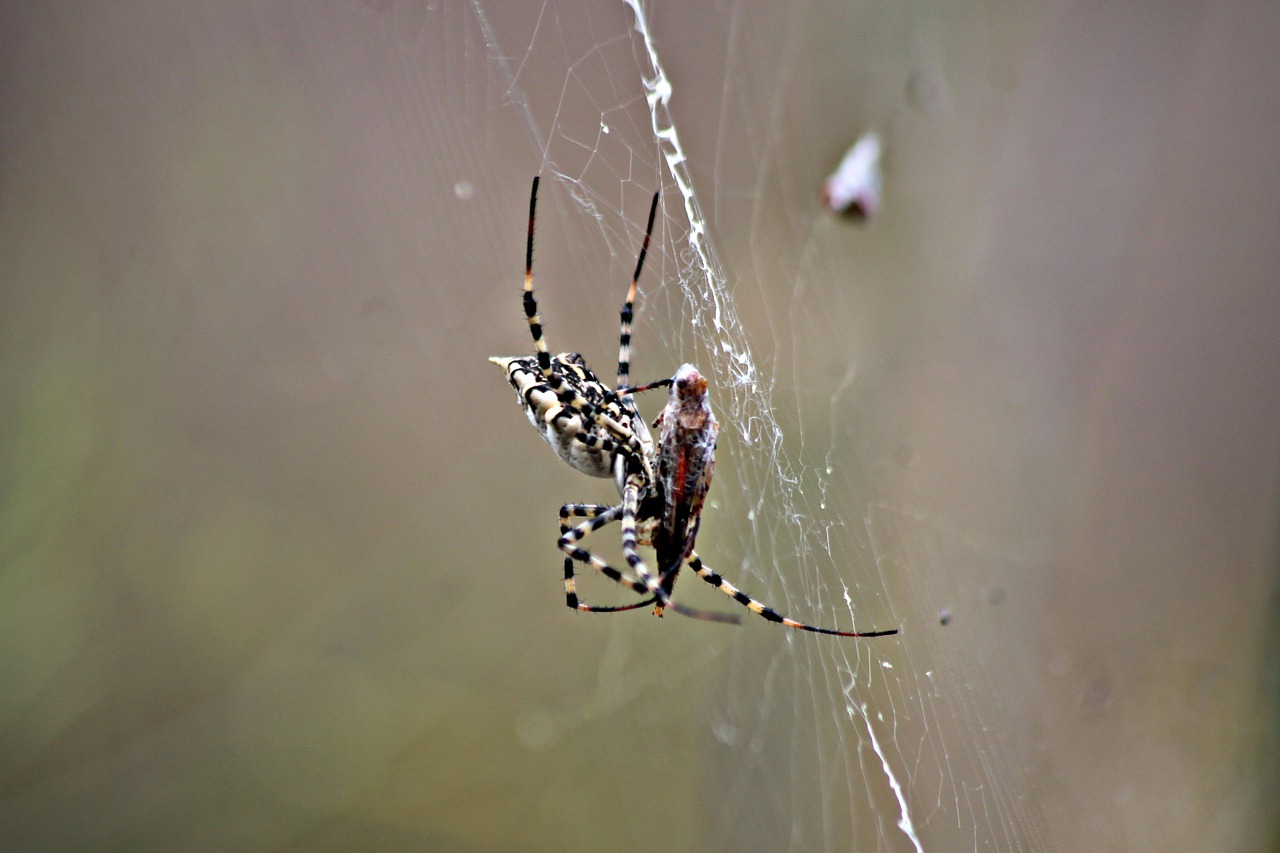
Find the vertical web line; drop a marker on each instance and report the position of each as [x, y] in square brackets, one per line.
[734, 353]
[905, 822]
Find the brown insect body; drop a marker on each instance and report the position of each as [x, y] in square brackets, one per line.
[686, 460]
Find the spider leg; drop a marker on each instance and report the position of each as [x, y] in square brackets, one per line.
[630, 501]
[628, 307]
[661, 383]
[597, 516]
[531, 304]
[768, 612]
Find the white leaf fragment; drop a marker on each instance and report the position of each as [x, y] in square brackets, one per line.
[854, 188]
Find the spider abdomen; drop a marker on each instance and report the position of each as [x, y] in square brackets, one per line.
[553, 406]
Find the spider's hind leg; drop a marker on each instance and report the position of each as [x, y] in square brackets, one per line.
[769, 613]
[597, 516]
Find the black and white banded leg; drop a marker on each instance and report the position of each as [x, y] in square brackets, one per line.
[658, 587]
[767, 612]
[597, 516]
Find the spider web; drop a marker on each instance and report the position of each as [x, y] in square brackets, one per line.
[828, 745]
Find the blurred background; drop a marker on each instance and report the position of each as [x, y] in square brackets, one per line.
[277, 547]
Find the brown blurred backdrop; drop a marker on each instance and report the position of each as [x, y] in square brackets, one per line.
[277, 563]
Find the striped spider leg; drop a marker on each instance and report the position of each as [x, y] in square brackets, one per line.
[597, 515]
[639, 514]
[685, 463]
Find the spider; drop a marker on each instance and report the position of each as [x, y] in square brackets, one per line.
[599, 432]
